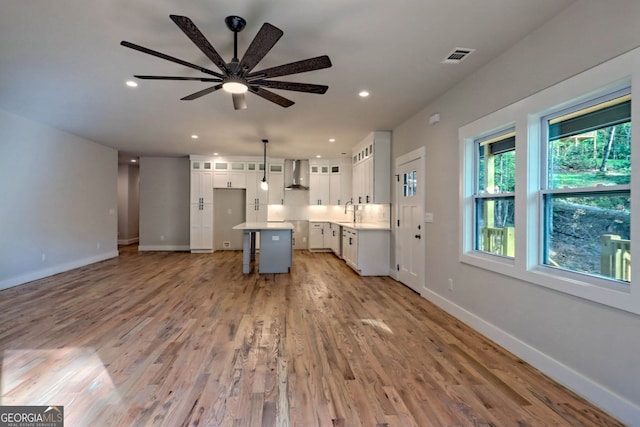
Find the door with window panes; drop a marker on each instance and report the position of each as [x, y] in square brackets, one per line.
[411, 242]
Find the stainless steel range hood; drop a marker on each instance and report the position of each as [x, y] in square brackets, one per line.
[296, 174]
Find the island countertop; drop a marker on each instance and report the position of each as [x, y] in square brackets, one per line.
[264, 226]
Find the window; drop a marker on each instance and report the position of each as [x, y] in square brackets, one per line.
[494, 198]
[409, 184]
[586, 194]
[568, 186]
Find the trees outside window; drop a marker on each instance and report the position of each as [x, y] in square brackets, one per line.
[495, 194]
[586, 195]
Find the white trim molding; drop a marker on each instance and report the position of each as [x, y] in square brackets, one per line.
[56, 269]
[625, 410]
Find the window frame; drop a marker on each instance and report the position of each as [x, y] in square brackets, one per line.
[526, 116]
[545, 189]
[479, 195]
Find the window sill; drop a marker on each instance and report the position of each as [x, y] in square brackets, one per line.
[592, 288]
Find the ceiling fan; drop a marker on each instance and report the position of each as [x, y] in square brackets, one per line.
[237, 77]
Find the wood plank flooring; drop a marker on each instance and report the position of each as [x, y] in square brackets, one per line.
[177, 339]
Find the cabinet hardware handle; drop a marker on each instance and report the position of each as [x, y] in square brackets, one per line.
[417, 236]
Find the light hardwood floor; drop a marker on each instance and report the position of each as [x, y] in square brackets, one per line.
[177, 339]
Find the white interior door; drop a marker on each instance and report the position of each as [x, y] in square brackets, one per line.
[410, 244]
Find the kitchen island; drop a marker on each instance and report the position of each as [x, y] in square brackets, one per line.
[276, 246]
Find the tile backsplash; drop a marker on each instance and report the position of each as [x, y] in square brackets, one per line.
[296, 208]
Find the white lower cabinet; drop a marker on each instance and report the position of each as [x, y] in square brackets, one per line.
[366, 251]
[201, 228]
[335, 238]
[319, 238]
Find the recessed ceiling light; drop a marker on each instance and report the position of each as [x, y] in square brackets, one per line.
[363, 94]
[332, 140]
[215, 154]
[318, 156]
[134, 161]
[194, 136]
[131, 83]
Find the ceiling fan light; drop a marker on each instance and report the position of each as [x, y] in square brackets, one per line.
[235, 86]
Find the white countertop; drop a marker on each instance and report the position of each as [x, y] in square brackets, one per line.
[264, 226]
[360, 225]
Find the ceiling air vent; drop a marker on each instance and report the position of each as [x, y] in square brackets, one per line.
[457, 55]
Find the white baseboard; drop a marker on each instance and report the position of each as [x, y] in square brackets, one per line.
[164, 248]
[50, 271]
[128, 241]
[626, 411]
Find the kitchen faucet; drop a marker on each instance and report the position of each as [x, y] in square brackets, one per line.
[346, 209]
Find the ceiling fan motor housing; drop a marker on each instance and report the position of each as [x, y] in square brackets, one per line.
[235, 23]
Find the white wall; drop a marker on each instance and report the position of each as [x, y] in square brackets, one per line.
[164, 203]
[592, 348]
[128, 204]
[59, 200]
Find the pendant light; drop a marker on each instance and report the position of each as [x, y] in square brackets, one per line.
[264, 184]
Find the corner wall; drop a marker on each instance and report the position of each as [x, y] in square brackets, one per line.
[59, 201]
[164, 204]
[589, 347]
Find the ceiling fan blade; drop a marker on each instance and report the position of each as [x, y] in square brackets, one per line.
[190, 29]
[201, 93]
[260, 46]
[270, 96]
[200, 79]
[169, 58]
[239, 101]
[300, 87]
[303, 66]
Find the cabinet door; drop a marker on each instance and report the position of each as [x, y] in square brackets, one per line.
[319, 185]
[221, 179]
[201, 233]
[201, 187]
[336, 238]
[276, 184]
[316, 235]
[358, 184]
[350, 246]
[255, 193]
[335, 189]
[229, 175]
[367, 180]
[256, 212]
[237, 175]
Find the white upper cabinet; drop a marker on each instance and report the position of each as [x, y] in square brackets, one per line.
[319, 183]
[229, 174]
[371, 166]
[255, 194]
[275, 176]
[340, 182]
[329, 182]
